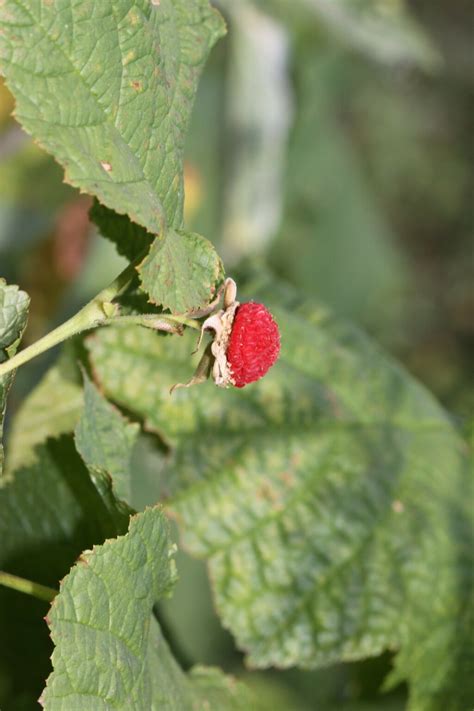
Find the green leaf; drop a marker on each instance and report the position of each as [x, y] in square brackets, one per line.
[317, 495]
[438, 654]
[181, 271]
[43, 413]
[107, 88]
[50, 512]
[13, 317]
[105, 605]
[105, 439]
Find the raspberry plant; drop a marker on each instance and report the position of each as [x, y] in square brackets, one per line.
[331, 499]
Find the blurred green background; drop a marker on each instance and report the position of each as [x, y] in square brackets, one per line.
[330, 141]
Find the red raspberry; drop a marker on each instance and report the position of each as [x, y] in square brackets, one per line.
[254, 343]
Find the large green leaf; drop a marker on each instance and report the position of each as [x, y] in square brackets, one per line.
[107, 88]
[106, 605]
[13, 317]
[323, 496]
[49, 513]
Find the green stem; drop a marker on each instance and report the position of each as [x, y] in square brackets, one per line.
[91, 315]
[99, 311]
[14, 582]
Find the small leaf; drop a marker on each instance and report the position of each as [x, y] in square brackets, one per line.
[181, 271]
[13, 317]
[107, 88]
[105, 605]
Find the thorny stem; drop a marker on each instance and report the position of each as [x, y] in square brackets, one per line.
[14, 582]
[98, 312]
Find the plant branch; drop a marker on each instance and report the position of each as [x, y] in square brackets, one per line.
[14, 582]
[99, 311]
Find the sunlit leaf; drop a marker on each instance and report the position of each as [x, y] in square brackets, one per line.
[106, 605]
[107, 88]
[181, 271]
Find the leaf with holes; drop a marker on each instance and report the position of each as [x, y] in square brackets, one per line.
[106, 605]
[13, 317]
[107, 88]
[317, 495]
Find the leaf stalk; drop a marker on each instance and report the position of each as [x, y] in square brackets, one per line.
[14, 582]
[100, 311]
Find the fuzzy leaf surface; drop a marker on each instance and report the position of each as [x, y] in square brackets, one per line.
[324, 497]
[107, 88]
[13, 317]
[110, 652]
[181, 271]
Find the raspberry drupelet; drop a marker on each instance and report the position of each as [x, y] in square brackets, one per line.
[254, 344]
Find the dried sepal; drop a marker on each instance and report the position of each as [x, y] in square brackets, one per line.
[202, 372]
